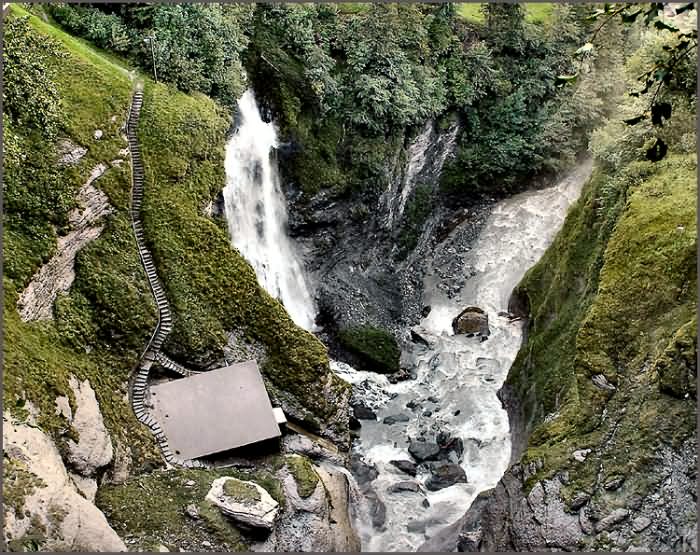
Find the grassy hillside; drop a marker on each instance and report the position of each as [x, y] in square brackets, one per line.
[535, 12]
[102, 323]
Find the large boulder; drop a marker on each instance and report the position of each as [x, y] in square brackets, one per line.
[93, 449]
[472, 321]
[39, 494]
[424, 450]
[445, 475]
[249, 504]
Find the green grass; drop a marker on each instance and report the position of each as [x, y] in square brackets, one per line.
[150, 510]
[241, 491]
[103, 322]
[535, 12]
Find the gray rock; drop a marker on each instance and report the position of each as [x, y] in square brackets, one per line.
[362, 412]
[615, 517]
[94, 447]
[472, 320]
[416, 526]
[614, 483]
[445, 475]
[602, 382]
[251, 506]
[640, 523]
[579, 501]
[98, 134]
[409, 467]
[69, 153]
[423, 450]
[581, 454]
[192, 511]
[394, 418]
[400, 487]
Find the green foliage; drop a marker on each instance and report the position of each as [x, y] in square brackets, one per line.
[304, 474]
[30, 96]
[197, 47]
[375, 346]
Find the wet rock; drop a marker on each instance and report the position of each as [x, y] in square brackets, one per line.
[420, 336]
[354, 423]
[400, 375]
[246, 502]
[377, 509]
[615, 517]
[445, 475]
[362, 412]
[433, 399]
[425, 310]
[425, 503]
[451, 448]
[409, 467]
[416, 527]
[428, 413]
[363, 472]
[614, 483]
[400, 487]
[423, 450]
[412, 404]
[472, 320]
[394, 418]
[579, 501]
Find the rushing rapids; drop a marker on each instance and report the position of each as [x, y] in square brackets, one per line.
[256, 212]
[458, 376]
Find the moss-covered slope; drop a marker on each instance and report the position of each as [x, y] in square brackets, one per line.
[606, 376]
[212, 289]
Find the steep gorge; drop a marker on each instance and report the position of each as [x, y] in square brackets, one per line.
[394, 231]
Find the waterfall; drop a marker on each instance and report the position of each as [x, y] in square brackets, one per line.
[256, 212]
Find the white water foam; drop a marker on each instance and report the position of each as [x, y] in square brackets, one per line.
[464, 374]
[256, 212]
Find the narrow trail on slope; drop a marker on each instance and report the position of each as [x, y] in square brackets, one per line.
[152, 353]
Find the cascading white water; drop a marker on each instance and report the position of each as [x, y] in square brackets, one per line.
[257, 213]
[461, 375]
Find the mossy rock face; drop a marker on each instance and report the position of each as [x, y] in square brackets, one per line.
[677, 366]
[614, 295]
[304, 474]
[376, 348]
[241, 491]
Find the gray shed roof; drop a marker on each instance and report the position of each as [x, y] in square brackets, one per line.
[215, 411]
